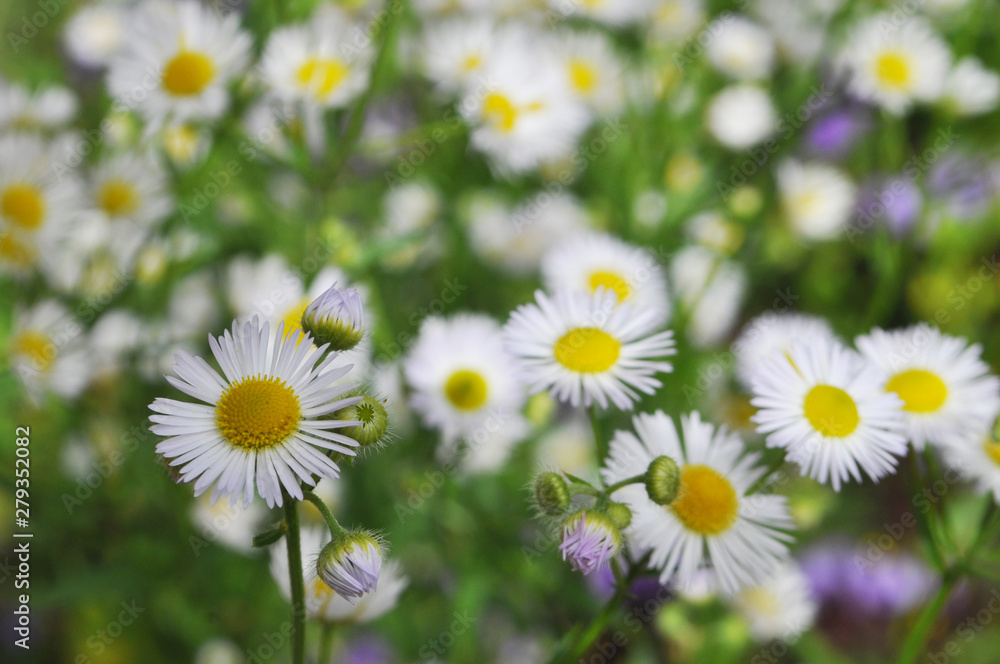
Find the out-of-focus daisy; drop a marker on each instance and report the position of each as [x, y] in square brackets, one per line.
[462, 384]
[568, 446]
[263, 423]
[410, 231]
[48, 352]
[593, 71]
[587, 262]
[22, 110]
[782, 607]
[825, 406]
[96, 33]
[115, 335]
[817, 199]
[194, 54]
[185, 143]
[309, 62]
[740, 48]
[454, 51]
[971, 88]
[946, 388]
[712, 521]
[772, 333]
[612, 12]
[895, 64]
[588, 348]
[218, 651]
[233, 526]
[322, 602]
[711, 290]
[741, 116]
[131, 188]
[977, 457]
[676, 20]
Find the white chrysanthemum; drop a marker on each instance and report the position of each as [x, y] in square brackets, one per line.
[588, 348]
[711, 290]
[47, 351]
[322, 602]
[131, 188]
[37, 204]
[317, 62]
[232, 526]
[516, 239]
[971, 88]
[453, 52]
[22, 110]
[522, 112]
[262, 423]
[177, 62]
[712, 521]
[593, 71]
[96, 33]
[741, 116]
[774, 334]
[782, 607]
[677, 20]
[946, 388]
[977, 458]
[587, 262]
[895, 62]
[740, 48]
[462, 381]
[611, 12]
[825, 406]
[817, 199]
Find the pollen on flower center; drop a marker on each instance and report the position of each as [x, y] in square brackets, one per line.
[893, 69]
[118, 198]
[258, 412]
[582, 76]
[23, 205]
[831, 411]
[321, 76]
[37, 347]
[188, 73]
[920, 390]
[466, 390]
[707, 502]
[610, 281]
[587, 350]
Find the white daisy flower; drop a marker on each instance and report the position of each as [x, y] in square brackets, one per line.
[593, 70]
[264, 421]
[454, 51]
[232, 526]
[782, 607]
[946, 388]
[322, 602]
[317, 62]
[587, 262]
[740, 48]
[977, 457]
[177, 61]
[894, 64]
[96, 33]
[677, 20]
[131, 188]
[826, 407]
[48, 352]
[741, 116]
[971, 88]
[711, 290]
[461, 379]
[774, 334]
[47, 109]
[588, 348]
[611, 12]
[817, 199]
[713, 522]
[569, 446]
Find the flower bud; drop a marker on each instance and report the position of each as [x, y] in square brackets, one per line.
[372, 415]
[663, 480]
[337, 317]
[589, 541]
[350, 564]
[552, 494]
[619, 514]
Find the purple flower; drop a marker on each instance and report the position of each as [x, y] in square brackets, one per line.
[589, 541]
[351, 564]
[895, 201]
[834, 134]
[963, 184]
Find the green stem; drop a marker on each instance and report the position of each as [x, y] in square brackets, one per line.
[923, 519]
[601, 444]
[625, 482]
[916, 640]
[295, 580]
[326, 644]
[336, 530]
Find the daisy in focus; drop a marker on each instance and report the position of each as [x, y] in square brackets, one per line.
[712, 522]
[826, 407]
[946, 388]
[262, 422]
[588, 349]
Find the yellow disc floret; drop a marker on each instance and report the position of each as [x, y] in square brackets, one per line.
[188, 73]
[466, 390]
[920, 390]
[706, 503]
[118, 198]
[23, 205]
[587, 350]
[893, 70]
[321, 76]
[37, 348]
[258, 412]
[831, 411]
[611, 281]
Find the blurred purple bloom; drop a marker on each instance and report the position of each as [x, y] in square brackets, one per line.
[896, 202]
[834, 134]
[366, 649]
[963, 184]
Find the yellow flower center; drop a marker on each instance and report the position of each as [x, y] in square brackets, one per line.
[831, 411]
[16, 252]
[499, 111]
[293, 317]
[920, 390]
[582, 76]
[992, 450]
[587, 350]
[612, 282]
[258, 412]
[181, 142]
[466, 390]
[23, 205]
[37, 347]
[893, 70]
[706, 502]
[472, 62]
[761, 601]
[118, 198]
[188, 73]
[321, 76]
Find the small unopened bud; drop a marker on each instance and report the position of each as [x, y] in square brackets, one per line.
[337, 317]
[619, 514]
[663, 480]
[552, 494]
[372, 415]
[350, 564]
[589, 541]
